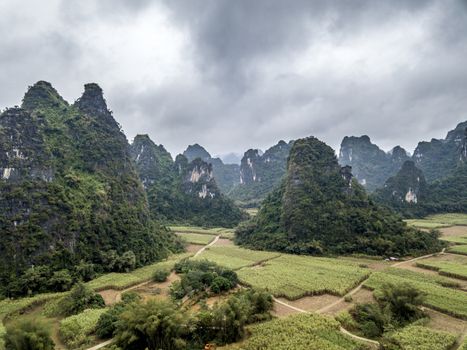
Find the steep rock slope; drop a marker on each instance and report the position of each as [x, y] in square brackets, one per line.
[371, 166]
[226, 175]
[181, 191]
[69, 191]
[319, 208]
[260, 173]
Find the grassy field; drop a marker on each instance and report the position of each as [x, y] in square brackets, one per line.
[197, 238]
[455, 239]
[422, 338]
[252, 211]
[124, 280]
[298, 332]
[458, 249]
[235, 257]
[455, 267]
[224, 232]
[76, 330]
[439, 221]
[438, 297]
[293, 276]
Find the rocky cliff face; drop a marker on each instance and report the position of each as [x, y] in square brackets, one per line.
[319, 209]
[226, 175]
[260, 173]
[68, 187]
[181, 191]
[370, 165]
[438, 158]
[408, 187]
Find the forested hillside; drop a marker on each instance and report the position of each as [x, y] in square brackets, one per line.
[71, 200]
[319, 208]
[182, 191]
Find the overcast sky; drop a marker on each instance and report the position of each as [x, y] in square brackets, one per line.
[239, 74]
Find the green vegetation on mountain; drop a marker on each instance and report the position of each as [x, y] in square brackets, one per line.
[70, 195]
[181, 191]
[261, 173]
[226, 175]
[320, 209]
[371, 166]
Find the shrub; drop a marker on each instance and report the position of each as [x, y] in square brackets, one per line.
[80, 298]
[28, 334]
[160, 275]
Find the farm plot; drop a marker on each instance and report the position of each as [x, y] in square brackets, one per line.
[223, 232]
[293, 276]
[448, 265]
[444, 299]
[76, 330]
[298, 332]
[196, 238]
[439, 221]
[454, 234]
[234, 257]
[458, 249]
[422, 338]
[124, 280]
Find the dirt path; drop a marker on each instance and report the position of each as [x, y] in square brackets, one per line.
[101, 345]
[419, 258]
[207, 246]
[352, 292]
[343, 330]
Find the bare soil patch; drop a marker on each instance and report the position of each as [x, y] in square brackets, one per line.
[363, 296]
[224, 241]
[193, 248]
[454, 231]
[280, 310]
[446, 323]
[312, 303]
[155, 290]
[109, 296]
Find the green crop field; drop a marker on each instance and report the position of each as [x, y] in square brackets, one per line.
[444, 299]
[456, 268]
[458, 249]
[439, 221]
[455, 239]
[124, 280]
[235, 257]
[422, 338]
[298, 332]
[75, 330]
[206, 231]
[294, 276]
[197, 238]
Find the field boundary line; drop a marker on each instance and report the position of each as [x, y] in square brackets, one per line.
[341, 329]
[419, 258]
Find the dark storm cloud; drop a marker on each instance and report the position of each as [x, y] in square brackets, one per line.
[237, 74]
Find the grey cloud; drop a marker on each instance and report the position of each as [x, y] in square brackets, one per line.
[245, 88]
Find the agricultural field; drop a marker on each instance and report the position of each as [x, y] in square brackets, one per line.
[196, 238]
[76, 330]
[447, 265]
[223, 232]
[298, 332]
[422, 338]
[444, 299]
[120, 281]
[234, 257]
[439, 221]
[293, 276]
[458, 249]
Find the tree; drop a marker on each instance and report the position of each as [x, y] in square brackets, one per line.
[154, 325]
[80, 298]
[28, 334]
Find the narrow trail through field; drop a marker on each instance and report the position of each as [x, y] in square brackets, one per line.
[342, 330]
[419, 258]
[207, 246]
[341, 300]
[118, 296]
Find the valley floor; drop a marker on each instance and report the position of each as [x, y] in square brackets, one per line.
[300, 285]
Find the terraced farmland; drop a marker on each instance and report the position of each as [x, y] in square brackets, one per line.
[444, 299]
[293, 276]
[234, 257]
[422, 338]
[458, 249]
[455, 267]
[197, 238]
[298, 332]
[439, 221]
